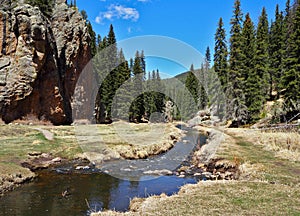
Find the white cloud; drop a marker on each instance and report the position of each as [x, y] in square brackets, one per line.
[98, 20]
[143, 0]
[118, 12]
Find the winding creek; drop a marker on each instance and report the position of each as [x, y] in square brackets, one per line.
[111, 187]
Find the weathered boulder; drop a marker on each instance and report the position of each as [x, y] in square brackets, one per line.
[41, 59]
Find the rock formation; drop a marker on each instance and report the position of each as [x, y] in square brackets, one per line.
[41, 59]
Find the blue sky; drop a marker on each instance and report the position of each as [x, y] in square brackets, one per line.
[191, 21]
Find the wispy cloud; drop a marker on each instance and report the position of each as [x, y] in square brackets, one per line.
[143, 0]
[118, 12]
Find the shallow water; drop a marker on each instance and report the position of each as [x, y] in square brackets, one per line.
[94, 190]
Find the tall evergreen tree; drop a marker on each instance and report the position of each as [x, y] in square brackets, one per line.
[276, 51]
[137, 107]
[149, 96]
[107, 64]
[208, 56]
[192, 84]
[251, 80]
[262, 55]
[248, 49]
[123, 98]
[93, 39]
[203, 87]
[221, 53]
[112, 48]
[236, 108]
[291, 76]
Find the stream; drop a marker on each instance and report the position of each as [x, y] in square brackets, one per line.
[92, 190]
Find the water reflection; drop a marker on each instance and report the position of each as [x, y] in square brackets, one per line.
[98, 191]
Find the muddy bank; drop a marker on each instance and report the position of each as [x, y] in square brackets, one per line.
[204, 161]
[13, 176]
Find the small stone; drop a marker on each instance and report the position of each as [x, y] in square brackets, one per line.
[158, 172]
[207, 175]
[228, 174]
[213, 177]
[173, 137]
[82, 168]
[45, 155]
[56, 160]
[183, 169]
[181, 176]
[197, 174]
[201, 165]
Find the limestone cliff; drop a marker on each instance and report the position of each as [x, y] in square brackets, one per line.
[41, 59]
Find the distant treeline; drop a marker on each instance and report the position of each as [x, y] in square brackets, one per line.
[122, 93]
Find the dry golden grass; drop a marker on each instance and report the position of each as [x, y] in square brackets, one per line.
[285, 145]
[220, 198]
[126, 140]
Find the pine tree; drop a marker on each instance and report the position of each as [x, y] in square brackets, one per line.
[235, 59]
[154, 97]
[192, 84]
[123, 97]
[276, 51]
[137, 107]
[93, 39]
[251, 80]
[248, 48]
[91, 32]
[236, 108]
[208, 57]
[123, 69]
[84, 15]
[202, 95]
[262, 55]
[160, 97]
[291, 77]
[149, 96]
[112, 48]
[221, 53]
[107, 64]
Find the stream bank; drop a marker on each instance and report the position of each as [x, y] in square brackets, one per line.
[79, 187]
[27, 148]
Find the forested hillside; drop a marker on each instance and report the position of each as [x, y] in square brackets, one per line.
[256, 64]
[260, 63]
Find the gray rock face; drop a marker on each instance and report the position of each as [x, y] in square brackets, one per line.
[40, 61]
